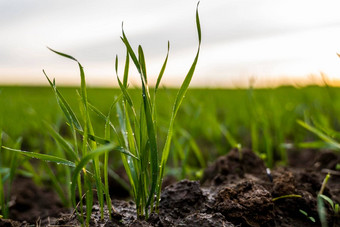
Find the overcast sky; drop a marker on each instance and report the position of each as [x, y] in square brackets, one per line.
[272, 41]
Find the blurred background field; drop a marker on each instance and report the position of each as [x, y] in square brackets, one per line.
[209, 124]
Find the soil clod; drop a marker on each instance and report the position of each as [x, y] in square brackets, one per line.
[247, 203]
[236, 191]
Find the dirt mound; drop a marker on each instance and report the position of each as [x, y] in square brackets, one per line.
[233, 167]
[33, 204]
[236, 190]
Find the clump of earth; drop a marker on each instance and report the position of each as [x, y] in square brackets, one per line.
[236, 190]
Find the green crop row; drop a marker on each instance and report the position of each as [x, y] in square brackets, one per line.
[248, 115]
[133, 135]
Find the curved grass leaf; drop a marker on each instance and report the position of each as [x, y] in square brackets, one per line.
[320, 134]
[194, 147]
[286, 196]
[106, 165]
[229, 137]
[129, 134]
[14, 162]
[159, 78]
[59, 139]
[316, 145]
[127, 97]
[101, 115]
[127, 162]
[160, 75]
[125, 93]
[142, 65]
[62, 54]
[309, 217]
[65, 107]
[94, 138]
[184, 87]
[98, 139]
[3, 203]
[126, 69]
[151, 124]
[322, 211]
[56, 185]
[43, 157]
[82, 74]
[88, 130]
[329, 200]
[129, 49]
[83, 162]
[179, 98]
[89, 199]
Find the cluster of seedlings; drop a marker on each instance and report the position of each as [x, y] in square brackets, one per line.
[81, 175]
[85, 169]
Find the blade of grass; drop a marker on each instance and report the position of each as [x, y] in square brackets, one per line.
[130, 51]
[316, 145]
[178, 102]
[286, 196]
[159, 78]
[28, 168]
[326, 198]
[160, 75]
[94, 138]
[89, 199]
[181, 93]
[106, 165]
[80, 192]
[56, 185]
[88, 129]
[125, 92]
[150, 129]
[14, 164]
[43, 157]
[84, 161]
[101, 115]
[141, 60]
[126, 70]
[65, 107]
[63, 143]
[231, 140]
[321, 211]
[117, 178]
[131, 144]
[320, 134]
[3, 203]
[128, 165]
[82, 75]
[194, 147]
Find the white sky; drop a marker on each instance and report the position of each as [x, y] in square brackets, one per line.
[272, 41]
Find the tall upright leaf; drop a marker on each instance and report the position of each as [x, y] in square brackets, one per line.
[178, 101]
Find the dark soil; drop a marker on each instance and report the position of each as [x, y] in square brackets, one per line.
[32, 204]
[236, 190]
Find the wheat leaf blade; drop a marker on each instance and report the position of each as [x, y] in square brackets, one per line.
[43, 157]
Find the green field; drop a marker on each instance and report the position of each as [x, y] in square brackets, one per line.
[209, 123]
[262, 119]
